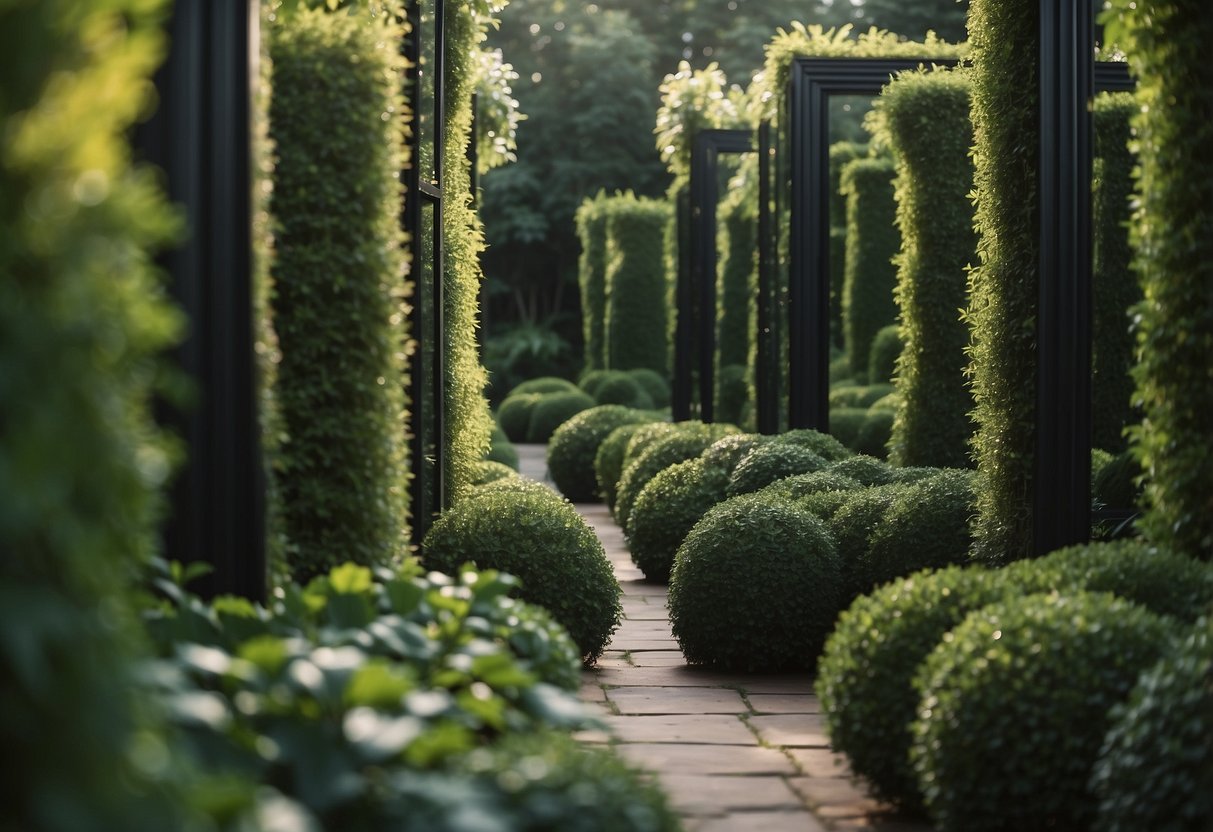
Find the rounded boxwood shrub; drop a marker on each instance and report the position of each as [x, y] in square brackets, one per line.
[501, 449]
[608, 462]
[590, 381]
[620, 388]
[666, 510]
[890, 402]
[886, 349]
[687, 441]
[489, 471]
[527, 530]
[727, 452]
[917, 473]
[852, 526]
[653, 383]
[926, 526]
[874, 434]
[861, 396]
[551, 411]
[514, 415]
[771, 462]
[545, 384]
[1023, 689]
[804, 486]
[845, 423]
[647, 435]
[754, 587]
[867, 470]
[865, 676]
[574, 446]
[823, 444]
[1155, 770]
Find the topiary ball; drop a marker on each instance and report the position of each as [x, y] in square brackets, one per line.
[874, 434]
[770, 462]
[553, 410]
[514, 415]
[803, 488]
[667, 509]
[727, 452]
[527, 530]
[885, 350]
[546, 384]
[845, 423]
[754, 587]
[925, 527]
[823, 444]
[488, 471]
[890, 403]
[1015, 706]
[867, 470]
[621, 388]
[608, 462]
[1155, 769]
[861, 396]
[687, 441]
[574, 445]
[501, 449]
[918, 473]
[852, 526]
[590, 381]
[865, 675]
[653, 383]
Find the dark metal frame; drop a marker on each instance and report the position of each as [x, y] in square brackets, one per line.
[697, 300]
[200, 136]
[426, 321]
[766, 375]
[681, 388]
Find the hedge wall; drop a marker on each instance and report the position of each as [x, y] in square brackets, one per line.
[469, 423]
[924, 118]
[636, 293]
[591, 277]
[82, 318]
[1167, 42]
[1114, 290]
[872, 242]
[841, 153]
[738, 259]
[338, 278]
[1003, 286]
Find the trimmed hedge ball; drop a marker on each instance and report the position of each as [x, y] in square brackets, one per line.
[527, 530]
[653, 383]
[918, 473]
[546, 384]
[926, 527]
[802, 487]
[687, 441]
[501, 449]
[590, 382]
[874, 434]
[1155, 769]
[862, 396]
[621, 388]
[845, 423]
[666, 510]
[488, 471]
[865, 676]
[771, 462]
[727, 452]
[823, 444]
[754, 587]
[852, 526]
[867, 470]
[890, 402]
[553, 410]
[882, 358]
[574, 446]
[608, 462]
[1015, 706]
[514, 415]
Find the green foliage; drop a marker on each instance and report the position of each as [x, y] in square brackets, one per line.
[545, 384]
[592, 379]
[802, 488]
[732, 393]
[872, 242]
[692, 100]
[875, 433]
[498, 115]
[621, 389]
[1114, 289]
[514, 415]
[727, 452]
[1055, 663]
[865, 470]
[338, 279]
[840, 154]
[923, 118]
[654, 384]
[1155, 770]
[82, 319]
[890, 402]
[501, 449]
[845, 423]
[864, 678]
[822, 444]
[687, 441]
[575, 444]
[882, 357]
[489, 471]
[552, 410]
[861, 395]
[852, 526]
[1115, 485]
[666, 510]
[636, 319]
[738, 265]
[525, 350]
[540, 538]
[1003, 285]
[926, 527]
[754, 587]
[1167, 45]
[591, 272]
[946, 18]
[770, 462]
[608, 462]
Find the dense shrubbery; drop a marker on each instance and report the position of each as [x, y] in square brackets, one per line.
[754, 587]
[822, 444]
[591, 271]
[544, 384]
[666, 510]
[687, 441]
[875, 433]
[608, 462]
[770, 462]
[726, 453]
[872, 241]
[882, 357]
[501, 449]
[859, 395]
[653, 383]
[845, 423]
[866, 470]
[852, 525]
[575, 445]
[551, 411]
[340, 475]
[840, 154]
[534, 534]
[490, 471]
[514, 415]
[636, 324]
[620, 388]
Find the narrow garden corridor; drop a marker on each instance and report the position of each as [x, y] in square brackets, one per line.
[734, 752]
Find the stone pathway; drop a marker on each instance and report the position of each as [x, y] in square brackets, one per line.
[734, 752]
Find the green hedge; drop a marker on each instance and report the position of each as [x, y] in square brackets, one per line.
[1114, 290]
[738, 250]
[1004, 282]
[82, 318]
[1167, 44]
[591, 278]
[882, 357]
[338, 274]
[636, 313]
[872, 242]
[841, 153]
[468, 420]
[924, 118]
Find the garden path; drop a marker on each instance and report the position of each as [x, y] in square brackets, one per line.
[734, 752]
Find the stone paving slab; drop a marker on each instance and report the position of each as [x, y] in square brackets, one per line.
[801, 821]
[791, 730]
[640, 700]
[713, 729]
[659, 658]
[820, 762]
[706, 759]
[783, 703]
[701, 794]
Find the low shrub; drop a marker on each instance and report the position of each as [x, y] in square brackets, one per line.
[1023, 688]
[823, 444]
[754, 587]
[501, 449]
[770, 462]
[687, 441]
[666, 510]
[647, 435]
[861, 396]
[489, 471]
[727, 452]
[608, 462]
[890, 402]
[874, 434]
[865, 676]
[575, 444]
[545, 384]
[1155, 770]
[926, 526]
[886, 349]
[917, 473]
[845, 423]
[867, 470]
[621, 388]
[551, 411]
[653, 383]
[541, 539]
[1116, 484]
[592, 380]
[852, 526]
[840, 372]
[801, 487]
[514, 415]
